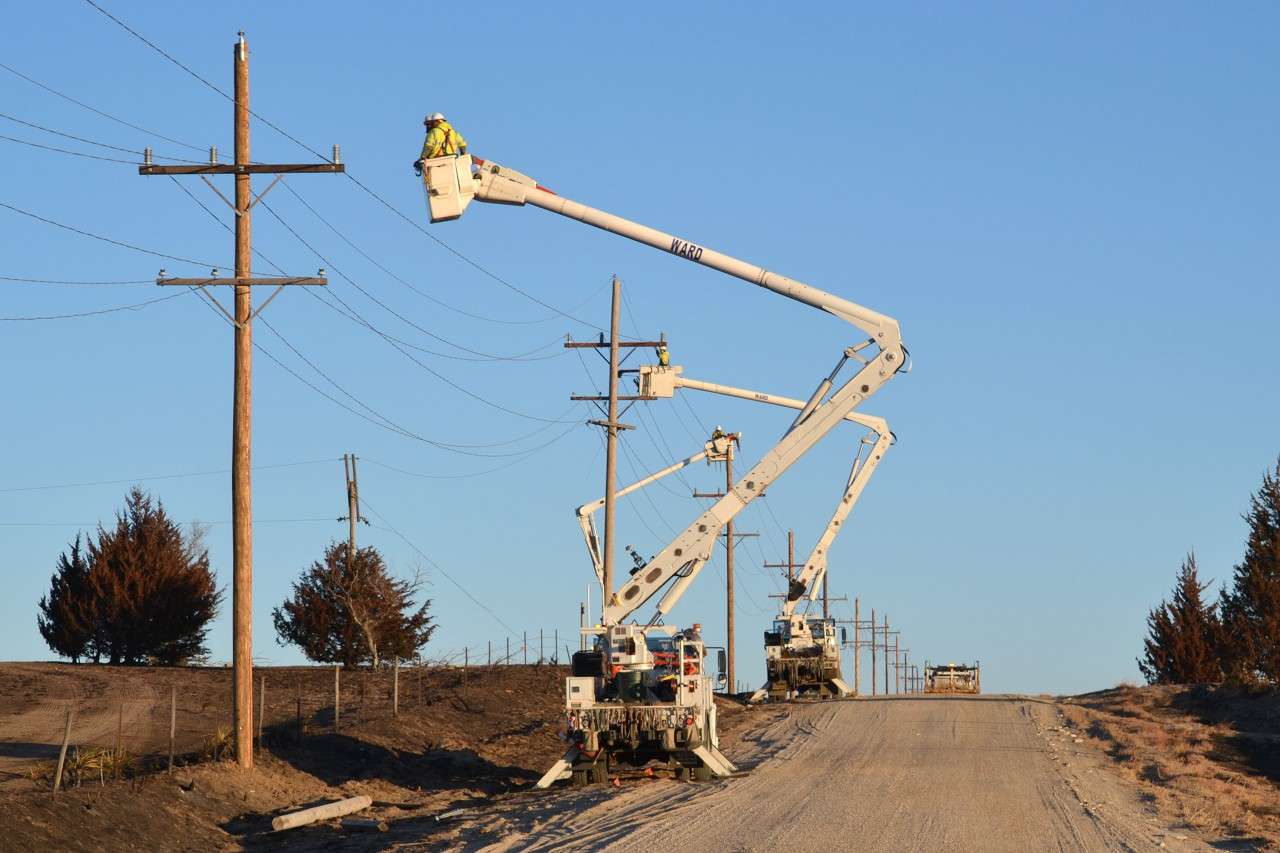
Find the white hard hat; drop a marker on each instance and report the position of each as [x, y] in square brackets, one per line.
[433, 117]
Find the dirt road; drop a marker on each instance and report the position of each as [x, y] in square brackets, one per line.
[900, 774]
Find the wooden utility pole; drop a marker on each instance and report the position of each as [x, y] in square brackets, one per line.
[886, 654]
[857, 664]
[873, 652]
[730, 539]
[612, 427]
[790, 565]
[353, 515]
[241, 318]
[611, 447]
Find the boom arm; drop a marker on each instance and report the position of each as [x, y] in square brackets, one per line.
[716, 448]
[859, 475]
[451, 186]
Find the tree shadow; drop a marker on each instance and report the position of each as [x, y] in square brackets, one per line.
[1252, 713]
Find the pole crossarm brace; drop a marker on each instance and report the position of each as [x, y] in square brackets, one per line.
[244, 169]
[280, 284]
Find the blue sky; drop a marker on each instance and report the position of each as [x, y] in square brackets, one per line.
[1070, 209]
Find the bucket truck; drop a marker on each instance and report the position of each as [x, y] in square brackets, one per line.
[802, 653]
[610, 715]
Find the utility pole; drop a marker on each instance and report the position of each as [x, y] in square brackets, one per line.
[873, 652]
[242, 404]
[857, 664]
[886, 654]
[730, 539]
[790, 565]
[612, 427]
[353, 505]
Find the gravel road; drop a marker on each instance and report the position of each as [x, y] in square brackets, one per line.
[941, 773]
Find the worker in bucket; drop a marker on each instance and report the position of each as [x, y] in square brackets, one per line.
[442, 141]
[664, 357]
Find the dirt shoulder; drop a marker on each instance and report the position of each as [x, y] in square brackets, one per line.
[458, 745]
[1205, 758]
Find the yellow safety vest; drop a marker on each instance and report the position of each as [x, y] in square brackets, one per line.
[442, 141]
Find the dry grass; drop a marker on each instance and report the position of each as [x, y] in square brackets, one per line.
[1191, 770]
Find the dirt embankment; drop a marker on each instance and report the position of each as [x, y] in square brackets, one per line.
[454, 745]
[1207, 757]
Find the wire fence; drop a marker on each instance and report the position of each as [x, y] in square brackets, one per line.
[72, 725]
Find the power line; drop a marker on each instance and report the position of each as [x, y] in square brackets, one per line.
[478, 603]
[17, 120]
[66, 151]
[381, 420]
[161, 51]
[193, 521]
[392, 311]
[93, 236]
[408, 284]
[459, 388]
[73, 281]
[371, 193]
[161, 477]
[134, 307]
[105, 115]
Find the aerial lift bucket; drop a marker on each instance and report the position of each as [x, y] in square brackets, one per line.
[449, 186]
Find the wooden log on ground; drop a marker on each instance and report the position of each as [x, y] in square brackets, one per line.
[318, 813]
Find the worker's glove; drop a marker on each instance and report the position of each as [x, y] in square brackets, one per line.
[417, 168]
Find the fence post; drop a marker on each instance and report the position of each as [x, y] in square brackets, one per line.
[524, 649]
[395, 687]
[62, 754]
[173, 721]
[262, 707]
[337, 696]
[119, 739]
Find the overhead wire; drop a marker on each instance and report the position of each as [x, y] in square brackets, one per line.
[105, 115]
[67, 151]
[479, 267]
[87, 141]
[74, 281]
[182, 476]
[134, 307]
[476, 601]
[410, 285]
[399, 316]
[441, 377]
[375, 417]
[113, 242]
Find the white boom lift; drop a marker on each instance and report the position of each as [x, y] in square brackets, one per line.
[802, 653]
[613, 712]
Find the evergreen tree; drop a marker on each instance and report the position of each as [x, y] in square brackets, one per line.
[1251, 606]
[66, 619]
[140, 591]
[1182, 639]
[350, 610]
